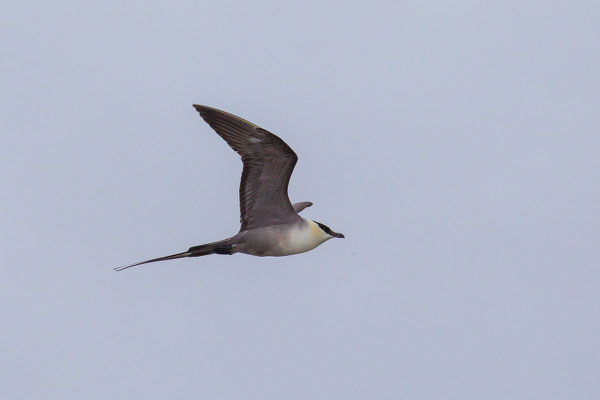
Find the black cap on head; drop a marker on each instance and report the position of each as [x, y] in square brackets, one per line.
[328, 230]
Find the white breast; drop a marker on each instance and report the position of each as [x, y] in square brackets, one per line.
[304, 238]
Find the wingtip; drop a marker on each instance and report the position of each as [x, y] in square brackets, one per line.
[205, 111]
[200, 108]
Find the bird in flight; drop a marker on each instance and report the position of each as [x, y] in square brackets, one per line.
[270, 224]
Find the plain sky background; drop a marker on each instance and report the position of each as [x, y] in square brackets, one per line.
[456, 144]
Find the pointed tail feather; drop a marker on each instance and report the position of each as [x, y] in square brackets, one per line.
[221, 247]
[171, 257]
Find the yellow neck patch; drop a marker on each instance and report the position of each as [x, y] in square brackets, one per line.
[315, 230]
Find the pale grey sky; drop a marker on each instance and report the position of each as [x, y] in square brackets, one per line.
[455, 144]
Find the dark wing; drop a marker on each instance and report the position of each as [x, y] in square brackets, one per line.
[268, 165]
[301, 206]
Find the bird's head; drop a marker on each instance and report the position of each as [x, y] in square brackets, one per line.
[328, 231]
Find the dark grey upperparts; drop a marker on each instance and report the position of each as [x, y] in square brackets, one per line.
[301, 206]
[268, 164]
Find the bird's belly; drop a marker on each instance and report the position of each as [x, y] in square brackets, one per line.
[299, 241]
[283, 241]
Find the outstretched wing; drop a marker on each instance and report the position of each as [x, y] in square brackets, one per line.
[268, 165]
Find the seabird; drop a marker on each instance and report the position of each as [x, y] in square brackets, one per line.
[270, 224]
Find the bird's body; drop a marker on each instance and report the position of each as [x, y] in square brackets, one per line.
[281, 240]
[270, 224]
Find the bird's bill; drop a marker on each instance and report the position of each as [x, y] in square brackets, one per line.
[338, 235]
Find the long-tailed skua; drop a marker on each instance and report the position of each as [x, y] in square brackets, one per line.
[270, 224]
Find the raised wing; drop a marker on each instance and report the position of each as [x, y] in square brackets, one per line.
[301, 206]
[268, 165]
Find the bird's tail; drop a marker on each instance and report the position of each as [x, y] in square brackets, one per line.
[221, 247]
